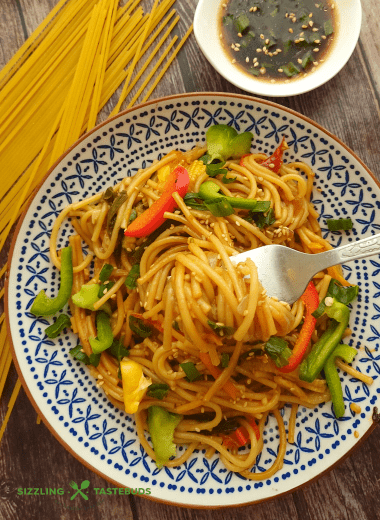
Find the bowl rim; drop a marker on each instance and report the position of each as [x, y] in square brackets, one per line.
[261, 87]
[54, 432]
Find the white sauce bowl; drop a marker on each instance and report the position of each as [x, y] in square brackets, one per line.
[207, 31]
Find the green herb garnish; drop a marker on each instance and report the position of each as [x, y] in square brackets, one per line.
[191, 371]
[339, 224]
[278, 350]
[57, 327]
[139, 327]
[133, 275]
[106, 272]
[158, 390]
[221, 330]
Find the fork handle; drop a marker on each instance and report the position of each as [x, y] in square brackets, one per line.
[365, 247]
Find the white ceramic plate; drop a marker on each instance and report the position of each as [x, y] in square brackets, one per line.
[207, 31]
[62, 390]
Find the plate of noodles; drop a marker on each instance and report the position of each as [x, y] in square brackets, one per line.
[151, 356]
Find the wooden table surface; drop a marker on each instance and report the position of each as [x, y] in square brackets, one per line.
[348, 106]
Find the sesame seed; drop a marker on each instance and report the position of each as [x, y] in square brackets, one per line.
[356, 434]
[238, 44]
[286, 15]
[256, 64]
[316, 49]
[290, 30]
[233, 61]
[315, 29]
[278, 50]
[296, 41]
[311, 23]
[267, 41]
[255, 59]
[302, 33]
[302, 39]
[304, 26]
[315, 63]
[255, 9]
[264, 48]
[299, 60]
[240, 35]
[270, 54]
[258, 50]
[294, 19]
[262, 36]
[310, 15]
[317, 41]
[247, 59]
[324, 37]
[280, 70]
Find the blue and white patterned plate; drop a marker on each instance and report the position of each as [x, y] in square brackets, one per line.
[65, 395]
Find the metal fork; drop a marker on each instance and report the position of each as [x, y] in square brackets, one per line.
[285, 272]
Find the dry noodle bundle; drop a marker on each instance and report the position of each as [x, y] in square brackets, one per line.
[200, 306]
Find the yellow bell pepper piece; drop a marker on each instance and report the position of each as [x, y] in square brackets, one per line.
[197, 168]
[163, 173]
[135, 384]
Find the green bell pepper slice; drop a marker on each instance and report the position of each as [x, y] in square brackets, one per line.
[209, 191]
[104, 337]
[45, 306]
[324, 347]
[332, 377]
[161, 426]
[87, 296]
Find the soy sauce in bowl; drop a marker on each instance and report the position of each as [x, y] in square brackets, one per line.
[276, 40]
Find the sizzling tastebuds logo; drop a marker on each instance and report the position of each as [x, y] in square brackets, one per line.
[77, 490]
[82, 490]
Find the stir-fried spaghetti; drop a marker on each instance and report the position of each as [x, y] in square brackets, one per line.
[191, 319]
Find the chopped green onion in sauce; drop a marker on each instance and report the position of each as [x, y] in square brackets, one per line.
[277, 40]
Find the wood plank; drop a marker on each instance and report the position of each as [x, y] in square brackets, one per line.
[35, 459]
[12, 33]
[281, 509]
[369, 43]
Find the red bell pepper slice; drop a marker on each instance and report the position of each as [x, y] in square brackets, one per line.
[276, 157]
[240, 436]
[273, 162]
[311, 300]
[228, 386]
[153, 217]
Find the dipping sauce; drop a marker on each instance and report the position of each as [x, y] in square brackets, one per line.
[277, 39]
